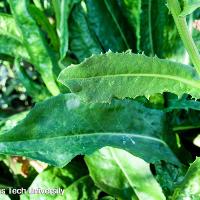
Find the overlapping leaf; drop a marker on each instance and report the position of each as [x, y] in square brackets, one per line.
[122, 75]
[123, 175]
[73, 180]
[190, 186]
[34, 43]
[62, 127]
[62, 10]
[190, 6]
[83, 42]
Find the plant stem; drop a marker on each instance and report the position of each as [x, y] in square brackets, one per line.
[185, 35]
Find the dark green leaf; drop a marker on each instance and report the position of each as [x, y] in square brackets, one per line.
[190, 186]
[62, 127]
[169, 176]
[181, 103]
[131, 10]
[83, 42]
[101, 22]
[158, 32]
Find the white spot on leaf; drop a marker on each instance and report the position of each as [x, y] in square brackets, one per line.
[72, 104]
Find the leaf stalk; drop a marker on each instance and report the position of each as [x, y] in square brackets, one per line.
[184, 32]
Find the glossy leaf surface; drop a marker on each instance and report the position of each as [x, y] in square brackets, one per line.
[123, 175]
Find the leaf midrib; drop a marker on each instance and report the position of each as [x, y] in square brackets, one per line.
[94, 134]
[123, 170]
[179, 79]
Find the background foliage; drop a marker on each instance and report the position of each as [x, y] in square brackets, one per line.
[159, 133]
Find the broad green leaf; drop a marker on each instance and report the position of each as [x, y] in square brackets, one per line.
[101, 22]
[34, 43]
[56, 178]
[36, 91]
[131, 10]
[83, 42]
[121, 75]
[8, 27]
[63, 9]
[62, 127]
[123, 175]
[190, 186]
[12, 47]
[189, 7]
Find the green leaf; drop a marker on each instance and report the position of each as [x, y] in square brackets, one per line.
[106, 28]
[34, 43]
[8, 27]
[12, 47]
[169, 176]
[190, 186]
[10, 38]
[120, 23]
[62, 127]
[107, 198]
[123, 175]
[131, 10]
[121, 75]
[43, 21]
[83, 42]
[81, 189]
[38, 4]
[181, 103]
[55, 178]
[158, 33]
[36, 91]
[189, 7]
[6, 124]
[63, 9]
